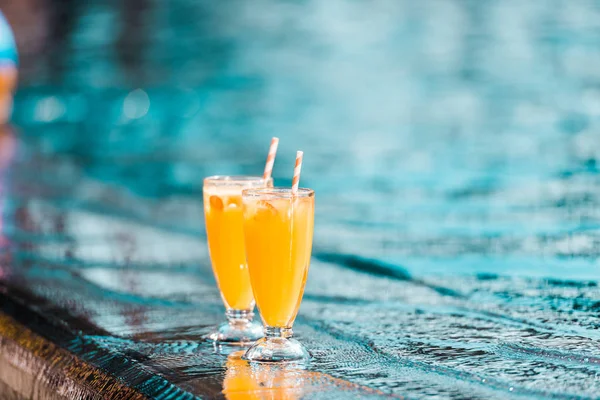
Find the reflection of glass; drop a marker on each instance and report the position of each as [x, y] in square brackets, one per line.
[224, 229]
[261, 381]
[278, 228]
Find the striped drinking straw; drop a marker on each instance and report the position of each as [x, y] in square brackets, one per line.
[297, 169]
[271, 158]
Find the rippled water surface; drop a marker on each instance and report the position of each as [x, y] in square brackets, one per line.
[453, 147]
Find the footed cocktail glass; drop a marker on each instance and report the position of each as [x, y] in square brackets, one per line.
[278, 231]
[224, 228]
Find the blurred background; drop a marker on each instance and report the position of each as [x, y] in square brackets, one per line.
[445, 137]
[453, 146]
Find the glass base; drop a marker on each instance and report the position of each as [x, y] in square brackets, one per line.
[238, 330]
[277, 347]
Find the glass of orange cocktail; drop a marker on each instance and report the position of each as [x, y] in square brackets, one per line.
[278, 230]
[224, 228]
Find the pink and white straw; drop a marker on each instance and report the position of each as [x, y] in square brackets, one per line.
[271, 158]
[297, 169]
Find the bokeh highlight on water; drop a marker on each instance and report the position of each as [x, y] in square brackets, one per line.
[452, 145]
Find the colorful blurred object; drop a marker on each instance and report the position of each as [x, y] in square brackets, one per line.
[8, 69]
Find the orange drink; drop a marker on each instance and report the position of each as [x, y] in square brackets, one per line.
[279, 237]
[224, 229]
[223, 216]
[278, 230]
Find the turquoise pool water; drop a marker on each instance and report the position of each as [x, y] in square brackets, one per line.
[453, 146]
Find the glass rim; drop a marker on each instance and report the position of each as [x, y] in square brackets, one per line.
[235, 180]
[277, 192]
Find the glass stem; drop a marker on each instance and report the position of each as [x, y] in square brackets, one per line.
[239, 317]
[274, 332]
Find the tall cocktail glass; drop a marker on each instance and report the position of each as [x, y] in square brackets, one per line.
[278, 230]
[224, 228]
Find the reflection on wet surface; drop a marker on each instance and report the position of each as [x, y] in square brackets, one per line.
[261, 381]
[244, 380]
[453, 150]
